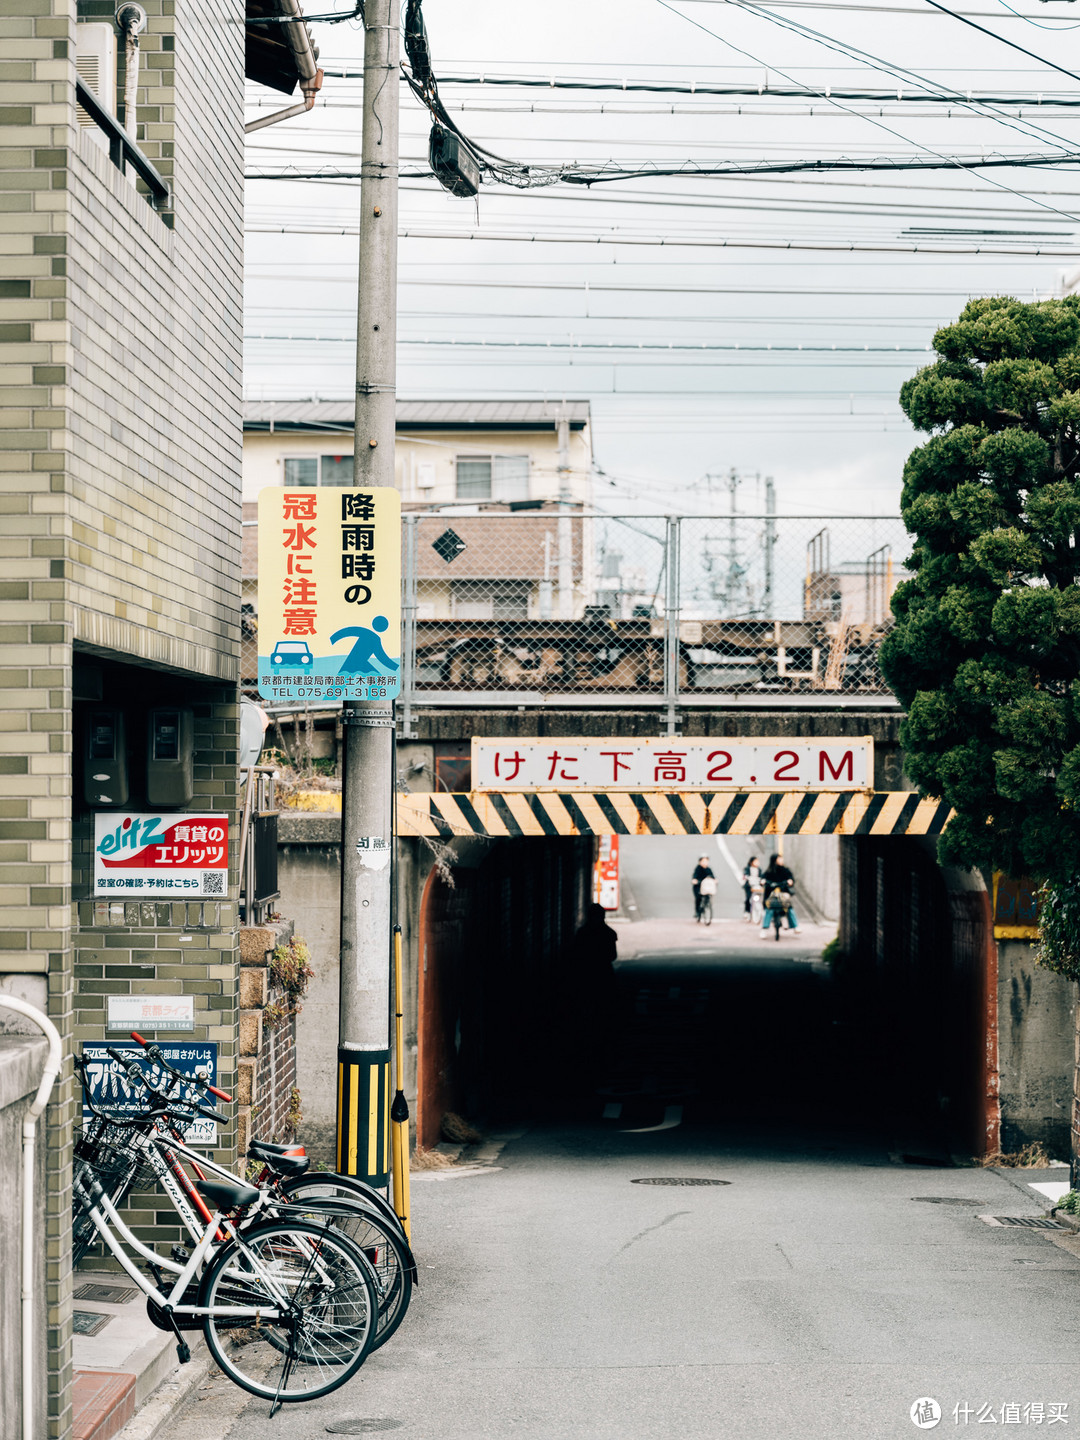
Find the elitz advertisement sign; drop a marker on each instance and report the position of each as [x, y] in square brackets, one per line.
[178, 856]
[329, 594]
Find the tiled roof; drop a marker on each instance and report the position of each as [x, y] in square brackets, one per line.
[418, 414]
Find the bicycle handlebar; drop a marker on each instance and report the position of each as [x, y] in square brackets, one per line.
[154, 1051]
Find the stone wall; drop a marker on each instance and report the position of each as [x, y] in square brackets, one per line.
[267, 1088]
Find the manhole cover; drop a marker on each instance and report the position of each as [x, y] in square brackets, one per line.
[361, 1427]
[88, 1322]
[944, 1200]
[1023, 1222]
[677, 1180]
[106, 1294]
[448, 547]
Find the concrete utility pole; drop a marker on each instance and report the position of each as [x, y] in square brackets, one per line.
[368, 784]
[566, 540]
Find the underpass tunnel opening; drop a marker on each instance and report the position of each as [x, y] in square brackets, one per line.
[879, 1010]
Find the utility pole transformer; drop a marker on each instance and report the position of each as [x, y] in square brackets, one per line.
[369, 760]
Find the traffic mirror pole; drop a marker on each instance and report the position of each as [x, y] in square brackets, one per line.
[363, 1115]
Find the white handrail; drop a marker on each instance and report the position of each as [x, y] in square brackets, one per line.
[29, 1142]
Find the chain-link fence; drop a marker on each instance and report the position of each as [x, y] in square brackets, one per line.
[564, 602]
[554, 601]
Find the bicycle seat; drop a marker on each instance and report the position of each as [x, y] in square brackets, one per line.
[227, 1195]
[281, 1163]
[263, 1149]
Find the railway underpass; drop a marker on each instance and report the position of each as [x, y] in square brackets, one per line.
[933, 1024]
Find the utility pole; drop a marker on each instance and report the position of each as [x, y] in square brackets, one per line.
[770, 545]
[369, 759]
[566, 543]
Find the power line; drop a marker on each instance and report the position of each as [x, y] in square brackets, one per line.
[664, 347]
[876, 62]
[1001, 39]
[766, 89]
[914, 247]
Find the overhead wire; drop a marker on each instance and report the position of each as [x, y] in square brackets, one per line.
[786, 24]
[956, 15]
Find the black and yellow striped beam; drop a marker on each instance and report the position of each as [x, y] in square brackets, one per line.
[665, 812]
[363, 1115]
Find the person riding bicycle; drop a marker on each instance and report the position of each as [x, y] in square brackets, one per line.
[703, 871]
[779, 880]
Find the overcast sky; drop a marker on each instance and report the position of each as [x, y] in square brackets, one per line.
[826, 425]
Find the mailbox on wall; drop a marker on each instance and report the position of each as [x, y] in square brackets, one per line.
[170, 745]
[105, 772]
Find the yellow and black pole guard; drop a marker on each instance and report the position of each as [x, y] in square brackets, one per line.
[363, 1115]
[399, 1110]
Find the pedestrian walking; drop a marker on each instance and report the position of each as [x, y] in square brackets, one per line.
[702, 872]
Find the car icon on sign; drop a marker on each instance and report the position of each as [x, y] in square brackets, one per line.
[291, 652]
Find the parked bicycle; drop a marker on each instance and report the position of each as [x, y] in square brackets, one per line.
[322, 1279]
[350, 1204]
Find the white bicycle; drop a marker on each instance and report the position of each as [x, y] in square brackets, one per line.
[305, 1289]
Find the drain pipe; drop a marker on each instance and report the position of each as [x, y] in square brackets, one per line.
[29, 1141]
[305, 54]
[131, 19]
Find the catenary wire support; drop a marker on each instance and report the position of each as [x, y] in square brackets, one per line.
[671, 628]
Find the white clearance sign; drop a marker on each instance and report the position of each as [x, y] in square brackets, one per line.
[671, 763]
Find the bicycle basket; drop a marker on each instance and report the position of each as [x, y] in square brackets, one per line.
[115, 1155]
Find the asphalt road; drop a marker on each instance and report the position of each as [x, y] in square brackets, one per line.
[816, 1295]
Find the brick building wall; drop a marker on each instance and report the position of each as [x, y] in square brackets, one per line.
[120, 445]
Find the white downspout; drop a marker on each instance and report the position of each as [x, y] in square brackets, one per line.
[311, 77]
[131, 19]
[29, 1141]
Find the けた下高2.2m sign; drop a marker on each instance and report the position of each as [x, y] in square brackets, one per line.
[329, 594]
[670, 763]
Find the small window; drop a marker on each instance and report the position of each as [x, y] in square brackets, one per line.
[304, 471]
[337, 470]
[491, 599]
[474, 477]
[493, 477]
[510, 477]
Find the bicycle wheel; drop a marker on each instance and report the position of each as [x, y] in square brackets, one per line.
[706, 910]
[323, 1292]
[329, 1184]
[388, 1255]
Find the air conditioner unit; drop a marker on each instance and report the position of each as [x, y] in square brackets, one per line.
[95, 62]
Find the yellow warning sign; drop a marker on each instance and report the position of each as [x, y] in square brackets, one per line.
[329, 593]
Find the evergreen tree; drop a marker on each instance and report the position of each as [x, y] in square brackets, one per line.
[985, 653]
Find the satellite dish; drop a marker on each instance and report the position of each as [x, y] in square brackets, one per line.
[253, 726]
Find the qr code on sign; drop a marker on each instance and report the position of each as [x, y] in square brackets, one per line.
[213, 882]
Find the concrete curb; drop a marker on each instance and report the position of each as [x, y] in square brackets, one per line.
[166, 1400]
[1072, 1221]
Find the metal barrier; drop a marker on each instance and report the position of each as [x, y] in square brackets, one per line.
[552, 604]
[258, 862]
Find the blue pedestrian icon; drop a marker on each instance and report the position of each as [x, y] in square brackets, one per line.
[367, 657]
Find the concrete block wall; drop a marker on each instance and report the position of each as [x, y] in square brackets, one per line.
[1036, 1034]
[120, 444]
